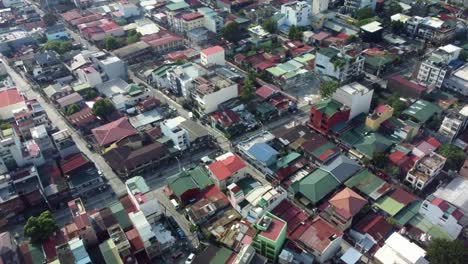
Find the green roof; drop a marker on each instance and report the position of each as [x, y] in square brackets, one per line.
[422, 110]
[389, 205]
[81, 87]
[37, 255]
[120, 214]
[316, 185]
[351, 137]
[367, 183]
[134, 89]
[162, 70]
[137, 184]
[424, 225]
[286, 160]
[329, 52]
[275, 71]
[376, 61]
[265, 108]
[221, 256]
[405, 215]
[304, 59]
[372, 143]
[328, 106]
[324, 149]
[195, 178]
[177, 6]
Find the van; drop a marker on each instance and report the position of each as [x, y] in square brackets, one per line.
[175, 204]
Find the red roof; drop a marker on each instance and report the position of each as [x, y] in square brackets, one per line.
[73, 162]
[225, 168]
[443, 205]
[264, 65]
[83, 117]
[321, 36]
[161, 38]
[212, 50]
[191, 16]
[434, 142]
[397, 157]
[347, 203]
[293, 216]
[457, 214]
[10, 97]
[266, 91]
[273, 230]
[402, 196]
[408, 84]
[382, 108]
[134, 239]
[317, 236]
[374, 225]
[113, 131]
[227, 117]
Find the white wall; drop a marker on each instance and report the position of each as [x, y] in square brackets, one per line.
[434, 215]
[358, 102]
[296, 13]
[216, 58]
[318, 6]
[211, 101]
[331, 250]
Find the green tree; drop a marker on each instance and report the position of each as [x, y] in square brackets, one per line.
[380, 159]
[59, 46]
[49, 19]
[179, 62]
[270, 25]
[249, 88]
[111, 43]
[463, 55]
[455, 156]
[397, 105]
[328, 88]
[397, 27]
[232, 32]
[40, 228]
[434, 123]
[364, 13]
[351, 38]
[442, 251]
[133, 36]
[90, 94]
[393, 8]
[103, 107]
[5, 125]
[295, 33]
[74, 108]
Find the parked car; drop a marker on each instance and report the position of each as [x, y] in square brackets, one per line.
[180, 233]
[190, 258]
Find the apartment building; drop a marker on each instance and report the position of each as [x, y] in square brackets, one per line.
[211, 20]
[454, 123]
[445, 215]
[433, 69]
[180, 78]
[295, 14]
[425, 170]
[340, 65]
[431, 29]
[210, 91]
[179, 136]
[458, 80]
[354, 5]
[355, 96]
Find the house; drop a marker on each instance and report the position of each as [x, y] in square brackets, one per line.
[163, 42]
[458, 80]
[56, 91]
[145, 232]
[342, 207]
[110, 66]
[89, 75]
[100, 29]
[314, 187]
[143, 200]
[404, 87]
[324, 115]
[454, 123]
[212, 21]
[228, 168]
[398, 249]
[379, 115]
[114, 131]
[319, 238]
[179, 136]
[10, 100]
[353, 6]
[187, 185]
[443, 214]
[368, 184]
[433, 69]
[370, 231]
[134, 53]
[56, 32]
[212, 55]
[198, 136]
[208, 207]
[15, 39]
[425, 170]
[263, 153]
[454, 192]
[210, 91]
[356, 97]
[128, 9]
[421, 111]
[109, 252]
[227, 121]
[83, 119]
[186, 22]
[122, 94]
[29, 117]
[270, 236]
[180, 79]
[394, 202]
[126, 161]
[68, 100]
[432, 29]
[340, 66]
[295, 14]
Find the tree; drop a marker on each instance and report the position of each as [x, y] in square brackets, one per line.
[295, 33]
[328, 88]
[40, 228]
[351, 38]
[397, 27]
[364, 13]
[463, 55]
[74, 108]
[270, 25]
[249, 88]
[394, 7]
[397, 105]
[49, 19]
[90, 94]
[380, 159]
[5, 125]
[103, 107]
[58, 46]
[133, 36]
[111, 43]
[232, 32]
[434, 123]
[455, 156]
[442, 251]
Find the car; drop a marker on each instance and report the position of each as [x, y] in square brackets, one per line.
[190, 258]
[180, 233]
[177, 255]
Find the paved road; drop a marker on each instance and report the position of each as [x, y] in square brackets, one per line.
[58, 120]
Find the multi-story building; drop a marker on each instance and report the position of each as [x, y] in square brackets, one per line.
[128, 9]
[110, 252]
[295, 14]
[139, 193]
[433, 70]
[425, 170]
[110, 65]
[144, 229]
[326, 114]
[31, 116]
[179, 136]
[228, 168]
[64, 143]
[190, 21]
[89, 75]
[10, 100]
[10, 150]
[180, 78]
[122, 245]
[212, 21]
[212, 56]
[319, 6]
[270, 236]
[355, 96]
[212, 90]
[14, 39]
[342, 66]
[441, 213]
[458, 80]
[164, 42]
[78, 250]
[354, 5]
[380, 114]
[41, 137]
[454, 123]
[431, 29]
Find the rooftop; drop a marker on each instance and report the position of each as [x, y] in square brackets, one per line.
[9, 97]
[319, 235]
[226, 165]
[271, 226]
[347, 203]
[328, 107]
[113, 131]
[212, 50]
[398, 249]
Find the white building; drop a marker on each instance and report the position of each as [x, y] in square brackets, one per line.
[64, 143]
[433, 70]
[212, 21]
[10, 150]
[228, 168]
[179, 136]
[212, 55]
[398, 249]
[212, 90]
[425, 170]
[319, 6]
[354, 5]
[144, 200]
[295, 14]
[340, 66]
[180, 78]
[257, 202]
[458, 81]
[454, 123]
[9, 3]
[455, 193]
[128, 9]
[144, 229]
[443, 214]
[356, 96]
[89, 75]
[41, 137]
[122, 94]
[112, 66]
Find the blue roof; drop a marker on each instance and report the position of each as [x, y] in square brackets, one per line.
[351, 256]
[262, 151]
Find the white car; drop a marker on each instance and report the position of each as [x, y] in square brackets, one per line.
[190, 258]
